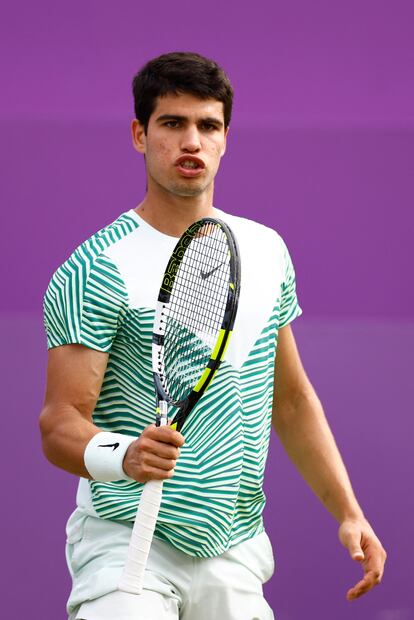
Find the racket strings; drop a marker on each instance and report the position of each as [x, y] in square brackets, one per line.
[194, 305]
[196, 310]
[192, 299]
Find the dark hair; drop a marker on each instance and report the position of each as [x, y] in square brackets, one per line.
[180, 72]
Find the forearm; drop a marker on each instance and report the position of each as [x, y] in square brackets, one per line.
[65, 435]
[305, 434]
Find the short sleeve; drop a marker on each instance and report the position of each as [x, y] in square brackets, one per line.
[289, 306]
[85, 303]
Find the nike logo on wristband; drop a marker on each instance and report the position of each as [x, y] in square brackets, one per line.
[109, 445]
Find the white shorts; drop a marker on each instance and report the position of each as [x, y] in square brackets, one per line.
[176, 586]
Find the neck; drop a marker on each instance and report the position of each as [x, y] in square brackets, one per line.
[171, 214]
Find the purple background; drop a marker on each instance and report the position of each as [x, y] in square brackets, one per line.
[321, 147]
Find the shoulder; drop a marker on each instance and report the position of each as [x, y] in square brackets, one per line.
[94, 253]
[249, 226]
[99, 244]
[258, 237]
[86, 298]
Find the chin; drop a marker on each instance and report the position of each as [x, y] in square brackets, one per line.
[180, 190]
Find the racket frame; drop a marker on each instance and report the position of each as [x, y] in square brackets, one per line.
[186, 404]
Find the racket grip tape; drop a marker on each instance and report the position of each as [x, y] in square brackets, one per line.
[132, 578]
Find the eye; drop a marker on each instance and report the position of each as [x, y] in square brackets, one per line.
[173, 124]
[208, 126]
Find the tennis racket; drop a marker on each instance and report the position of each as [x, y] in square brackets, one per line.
[194, 318]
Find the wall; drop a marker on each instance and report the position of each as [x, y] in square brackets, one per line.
[321, 148]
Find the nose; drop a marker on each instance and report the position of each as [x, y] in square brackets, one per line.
[190, 140]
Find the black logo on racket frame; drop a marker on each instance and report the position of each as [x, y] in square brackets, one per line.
[177, 255]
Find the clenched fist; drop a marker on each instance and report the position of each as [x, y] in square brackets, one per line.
[154, 454]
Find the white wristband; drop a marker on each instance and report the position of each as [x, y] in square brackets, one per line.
[104, 456]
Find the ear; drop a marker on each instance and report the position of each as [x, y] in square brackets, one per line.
[139, 139]
[226, 131]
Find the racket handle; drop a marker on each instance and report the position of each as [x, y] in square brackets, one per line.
[142, 533]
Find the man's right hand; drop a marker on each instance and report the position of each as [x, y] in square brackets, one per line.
[153, 456]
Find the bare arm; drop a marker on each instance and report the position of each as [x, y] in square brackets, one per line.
[74, 379]
[301, 425]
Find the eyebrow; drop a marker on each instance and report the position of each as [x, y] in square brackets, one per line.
[178, 117]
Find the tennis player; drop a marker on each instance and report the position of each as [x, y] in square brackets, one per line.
[211, 554]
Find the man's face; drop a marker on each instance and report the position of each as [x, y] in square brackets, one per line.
[184, 143]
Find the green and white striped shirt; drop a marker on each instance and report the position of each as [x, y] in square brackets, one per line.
[104, 297]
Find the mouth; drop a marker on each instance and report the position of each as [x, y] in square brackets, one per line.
[190, 166]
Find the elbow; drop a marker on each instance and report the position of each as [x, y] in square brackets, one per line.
[281, 415]
[285, 410]
[46, 432]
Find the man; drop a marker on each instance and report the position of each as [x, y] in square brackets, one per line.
[210, 554]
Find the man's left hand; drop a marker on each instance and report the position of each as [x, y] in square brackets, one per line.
[363, 545]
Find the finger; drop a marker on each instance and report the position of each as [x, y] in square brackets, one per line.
[153, 461]
[165, 434]
[374, 569]
[163, 450]
[357, 554]
[370, 579]
[351, 539]
[358, 590]
[153, 473]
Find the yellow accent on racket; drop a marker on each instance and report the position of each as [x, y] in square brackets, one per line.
[204, 377]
